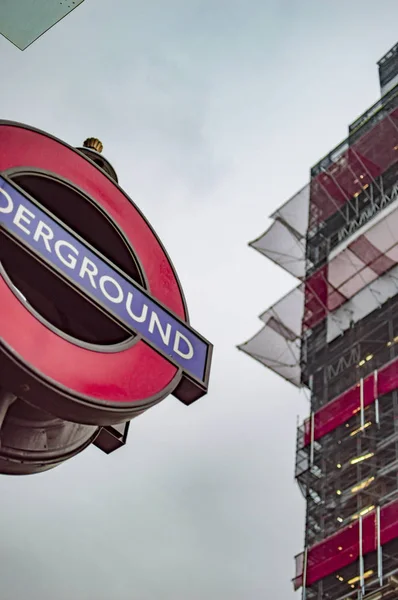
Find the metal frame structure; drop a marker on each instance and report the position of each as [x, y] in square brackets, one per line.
[336, 335]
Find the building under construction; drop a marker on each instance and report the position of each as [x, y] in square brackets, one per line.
[336, 335]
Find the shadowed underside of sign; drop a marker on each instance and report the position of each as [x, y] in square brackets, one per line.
[22, 22]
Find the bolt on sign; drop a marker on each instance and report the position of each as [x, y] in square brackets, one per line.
[22, 22]
[94, 327]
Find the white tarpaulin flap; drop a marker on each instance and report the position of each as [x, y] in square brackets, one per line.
[276, 353]
[282, 246]
[295, 212]
[288, 311]
[367, 257]
[278, 344]
[354, 266]
[284, 241]
[362, 304]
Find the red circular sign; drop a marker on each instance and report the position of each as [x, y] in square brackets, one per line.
[104, 386]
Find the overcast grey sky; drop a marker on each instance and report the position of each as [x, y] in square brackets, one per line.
[212, 111]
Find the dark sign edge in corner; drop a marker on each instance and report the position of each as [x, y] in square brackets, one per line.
[24, 47]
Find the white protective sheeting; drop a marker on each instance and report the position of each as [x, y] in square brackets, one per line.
[367, 257]
[281, 246]
[295, 211]
[277, 345]
[361, 305]
[359, 278]
[359, 264]
[284, 240]
[390, 85]
[362, 268]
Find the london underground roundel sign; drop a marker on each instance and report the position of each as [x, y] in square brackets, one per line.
[93, 322]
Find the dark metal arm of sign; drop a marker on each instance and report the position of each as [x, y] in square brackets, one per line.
[112, 437]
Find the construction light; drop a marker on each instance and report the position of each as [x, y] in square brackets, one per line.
[362, 485]
[363, 512]
[358, 578]
[368, 424]
[359, 459]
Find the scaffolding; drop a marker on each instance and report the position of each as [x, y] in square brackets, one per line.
[388, 70]
[336, 334]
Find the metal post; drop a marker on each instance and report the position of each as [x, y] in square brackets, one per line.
[376, 396]
[312, 439]
[361, 403]
[379, 548]
[377, 413]
[348, 199]
[361, 565]
[304, 595]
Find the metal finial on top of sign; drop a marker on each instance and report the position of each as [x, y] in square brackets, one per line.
[94, 144]
[92, 148]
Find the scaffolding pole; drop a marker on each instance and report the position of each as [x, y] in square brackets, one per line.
[361, 403]
[379, 548]
[361, 565]
[312, 439]
[376, 396]
[304, 595]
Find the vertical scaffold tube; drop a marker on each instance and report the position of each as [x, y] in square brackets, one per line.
[361, 565]
[379, 549]
[376, 396]
[312, 440]
[304, 596]
[361, 403]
